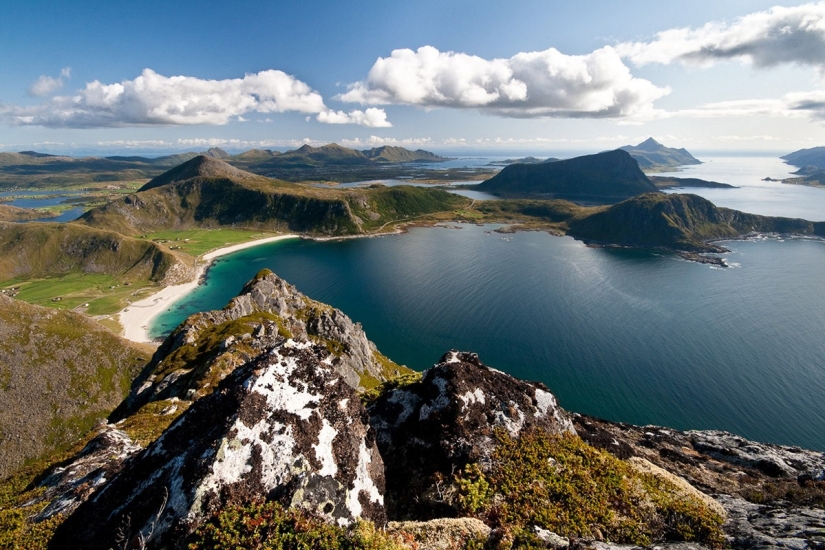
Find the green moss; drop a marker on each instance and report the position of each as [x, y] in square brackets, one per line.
[149, 423]
[562, 484]
[268, 526]
[405, 378]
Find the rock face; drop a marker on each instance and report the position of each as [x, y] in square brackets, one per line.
[284, 427]
[430, 430]
[208, 346]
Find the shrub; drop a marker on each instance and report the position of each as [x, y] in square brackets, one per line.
[562, 484]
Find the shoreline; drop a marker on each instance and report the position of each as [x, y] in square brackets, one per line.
[136, 317]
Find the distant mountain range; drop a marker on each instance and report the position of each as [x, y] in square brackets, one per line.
[31, 168]
[652, 155]
[814, 157]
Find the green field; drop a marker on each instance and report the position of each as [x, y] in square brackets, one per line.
[104, 294]
[200, 241]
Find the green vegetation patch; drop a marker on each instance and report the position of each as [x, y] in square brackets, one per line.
[562, 484]
[268, 526]
[200, 241]
[104, 294]
[152, 419]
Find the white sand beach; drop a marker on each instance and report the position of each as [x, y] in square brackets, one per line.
[137, 317]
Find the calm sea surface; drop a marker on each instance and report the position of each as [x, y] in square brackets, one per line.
[627, 335]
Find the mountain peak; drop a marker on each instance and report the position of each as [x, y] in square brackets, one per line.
[650, 144]
[201, 166]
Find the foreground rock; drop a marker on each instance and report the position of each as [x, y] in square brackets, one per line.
[208, 346]
[432, 429]
[284, 427]
[772, 495]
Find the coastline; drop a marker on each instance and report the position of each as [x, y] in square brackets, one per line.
[136, 317]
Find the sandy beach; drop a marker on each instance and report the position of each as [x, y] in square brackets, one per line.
[137, 317]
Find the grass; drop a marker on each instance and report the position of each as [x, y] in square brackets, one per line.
[104, 293]
[200, 241]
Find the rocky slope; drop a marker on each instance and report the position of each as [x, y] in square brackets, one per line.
[652, 155]
[208, 346]
[60, 373]
[603, 178]
[257, 403]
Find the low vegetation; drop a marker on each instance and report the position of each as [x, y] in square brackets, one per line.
[561, 484]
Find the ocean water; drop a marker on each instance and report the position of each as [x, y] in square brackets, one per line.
[634, 336]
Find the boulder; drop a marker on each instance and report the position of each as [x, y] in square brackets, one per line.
[430, 430]
[283, 427]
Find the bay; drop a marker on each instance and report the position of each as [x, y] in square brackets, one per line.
[626, 335]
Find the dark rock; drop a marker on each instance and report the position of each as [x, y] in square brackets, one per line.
[69, 484]
[285, 427]
[431, 430]
[760, 527]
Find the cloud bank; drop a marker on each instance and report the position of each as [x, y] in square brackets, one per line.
[152, 99]
[781, 35]
[527, 85]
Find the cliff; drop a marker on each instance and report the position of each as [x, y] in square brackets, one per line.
[603, 178]
[247, 429]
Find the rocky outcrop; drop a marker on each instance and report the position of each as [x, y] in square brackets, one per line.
[432, 429]
[284, 427]
[208, 346]
[773, 495]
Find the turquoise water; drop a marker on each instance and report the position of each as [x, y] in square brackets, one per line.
[626, 335]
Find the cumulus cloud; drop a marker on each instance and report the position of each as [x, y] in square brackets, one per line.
[777, 36]
[527, 85]
[47, 85]
[371, 118]
[154, 99]
[377, 141]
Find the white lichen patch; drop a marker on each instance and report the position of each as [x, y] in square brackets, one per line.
[513, 425]
[546, 403]
[363, 483]
[437, 404]
[472, 397]
[323, 450]
[453, 358]
[281, 391]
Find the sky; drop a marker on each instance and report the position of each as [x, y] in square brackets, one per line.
[533, 76]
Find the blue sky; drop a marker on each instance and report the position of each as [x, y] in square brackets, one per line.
[533, 76]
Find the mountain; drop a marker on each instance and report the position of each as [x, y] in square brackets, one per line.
[668, 182]
[679, 222]
[388, 153]
[61, 373]
[245, 430]
[650, 154]
[39, 249]
[217, 153]
[814, 156]
[600, 178]
[207, 192]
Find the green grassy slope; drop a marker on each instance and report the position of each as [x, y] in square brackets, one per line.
[47, 249]
[60, 373]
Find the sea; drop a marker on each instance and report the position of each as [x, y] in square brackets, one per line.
[628, 335]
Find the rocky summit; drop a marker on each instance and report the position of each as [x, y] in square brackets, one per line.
[431, 429]
[276, 417]
[284, 427]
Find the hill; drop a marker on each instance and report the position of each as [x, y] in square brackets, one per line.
[600, 178]
[60, 373]
[14, 214]
[206, 192]
[679, 222]
[815, 156]
[48, 249]
[652, 155]
[389, 153]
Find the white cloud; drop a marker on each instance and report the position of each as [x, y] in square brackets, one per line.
[47, 85]
[777, 36]
[371, 118]
[377, 141]
[528, 85]
[154, 99]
